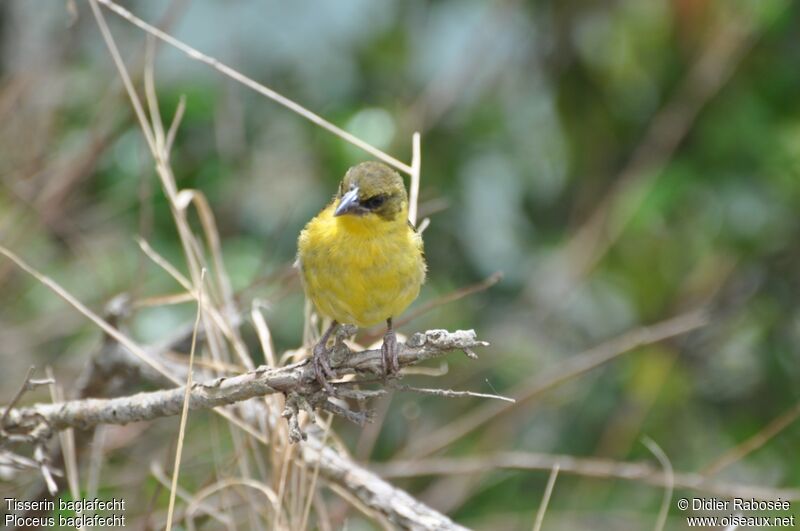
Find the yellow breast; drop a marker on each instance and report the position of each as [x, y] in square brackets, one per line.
[360, 270]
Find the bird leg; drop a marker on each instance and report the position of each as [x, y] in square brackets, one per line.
[391, 361]
[321, 360]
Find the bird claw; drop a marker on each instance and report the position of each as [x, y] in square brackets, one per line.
[390, 358]
[322, 367]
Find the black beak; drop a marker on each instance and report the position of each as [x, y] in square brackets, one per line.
[348, 203]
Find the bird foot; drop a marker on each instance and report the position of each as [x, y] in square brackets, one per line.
[322, 366]
[389, 351]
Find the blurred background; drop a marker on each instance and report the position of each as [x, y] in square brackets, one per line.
[621, 163]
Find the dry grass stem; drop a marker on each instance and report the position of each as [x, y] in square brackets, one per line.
[67, 439]
[254, 85]
[416, 165]
[313, 484]
[224, 484]
[669, 479]
[185, 410]
[753, 443]
[213, 512]
[100, 322]
[548, 492]
[220, 321]
[579, 466]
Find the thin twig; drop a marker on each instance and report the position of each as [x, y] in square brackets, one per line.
[447, 298]
[25, 387]
[449, 393]
[453, 296]
[570, 369]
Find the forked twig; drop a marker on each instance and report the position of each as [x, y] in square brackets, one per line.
[27, 384]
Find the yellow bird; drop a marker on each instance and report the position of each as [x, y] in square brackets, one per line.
[360, 259]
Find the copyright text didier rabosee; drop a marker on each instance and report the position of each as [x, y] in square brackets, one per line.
[738, 512]
[60, 513]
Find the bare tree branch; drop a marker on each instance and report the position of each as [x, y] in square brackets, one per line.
[296, 379]
[395, 504]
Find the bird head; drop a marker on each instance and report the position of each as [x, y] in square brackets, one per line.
[372, 190]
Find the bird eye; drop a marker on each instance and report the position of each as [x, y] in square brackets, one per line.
[374, 202]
